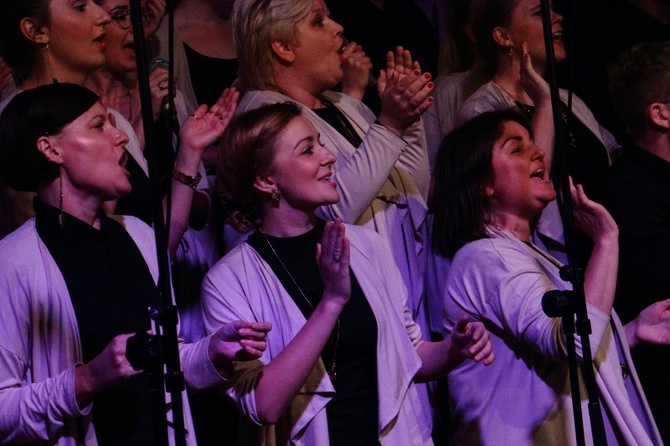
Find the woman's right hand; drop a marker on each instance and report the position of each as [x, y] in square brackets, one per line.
[404, 92]
[535, 85]
[107, 369]
[332, 255]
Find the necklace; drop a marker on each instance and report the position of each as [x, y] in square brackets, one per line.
[332, 373]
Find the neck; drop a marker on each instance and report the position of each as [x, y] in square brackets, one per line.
[106, 84]
[518, 226]
[199, 11]
[279, 223]
[303, 96]
[657, 143]
[84, 207]
[45, 72]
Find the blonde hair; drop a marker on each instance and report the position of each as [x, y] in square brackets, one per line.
[258, 23]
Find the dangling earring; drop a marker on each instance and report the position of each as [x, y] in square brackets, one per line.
[51, 71]
[511, 55]
[275, 195]
[61, 216]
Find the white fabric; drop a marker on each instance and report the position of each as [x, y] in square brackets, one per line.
[40, 345]
[243, 286]
[523, 397]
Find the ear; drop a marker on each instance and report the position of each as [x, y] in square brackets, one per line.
[486, 188]
[47, 147]
[283, 51]
[659, 114]
[265, 183]
[502, 37]
[33, 32]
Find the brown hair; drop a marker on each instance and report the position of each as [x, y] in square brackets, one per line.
[246, 151]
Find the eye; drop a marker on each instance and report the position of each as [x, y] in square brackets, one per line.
[517, 150]
[308, 150]
[80, 6]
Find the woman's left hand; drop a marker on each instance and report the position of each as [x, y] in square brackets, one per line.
[592, 217]
[239, 341]
[154, 12]
[357, 66]
[207, 125]
[472, 340]
[652, 325]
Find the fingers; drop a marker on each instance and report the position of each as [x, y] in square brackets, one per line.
[462, 324]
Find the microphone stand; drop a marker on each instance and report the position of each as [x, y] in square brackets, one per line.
[573, 272]
[165, 312]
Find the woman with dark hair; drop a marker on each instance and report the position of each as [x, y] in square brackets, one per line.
[493, 183]
[76, 283]
[341, 366]
[510, 39]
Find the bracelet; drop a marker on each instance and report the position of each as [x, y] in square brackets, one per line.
[188, 180]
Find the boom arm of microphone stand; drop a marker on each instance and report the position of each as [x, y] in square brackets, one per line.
[164, 313]
[583, 325]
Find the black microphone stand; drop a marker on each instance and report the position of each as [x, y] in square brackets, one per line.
[573, 272]
[165, 312]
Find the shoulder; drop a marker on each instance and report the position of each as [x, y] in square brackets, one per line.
[491, 256]
[254, 99]
[488, 97]
[20, 245]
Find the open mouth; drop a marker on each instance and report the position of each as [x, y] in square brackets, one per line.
[99, 43]
[538, 174]
[558, 35]
[124, 159]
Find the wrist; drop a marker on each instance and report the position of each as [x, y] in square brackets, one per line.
[390, 126]
[630, 329]
[191, 181]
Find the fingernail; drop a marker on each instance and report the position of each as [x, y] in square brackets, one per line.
[342, 58]
[426, 75]
[430, 100]
[430, 85]
[417, 73]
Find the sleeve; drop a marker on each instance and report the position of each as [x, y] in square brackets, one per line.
[414, 160]
[199, 372]
[29, 411]
[223, 301]
[504, 287]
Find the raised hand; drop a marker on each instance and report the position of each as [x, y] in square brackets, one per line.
[472, 340]
[207, 125]
[531, 81]
[332, 255]
[404, 92]
[591, 217]
[158, 85]
[239, 341]
[357, 66]
[153, 12]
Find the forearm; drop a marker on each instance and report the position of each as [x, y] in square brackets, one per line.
[437, 359]
[601, 273]
[283, 377]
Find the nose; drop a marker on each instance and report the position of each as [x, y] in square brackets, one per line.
[556, 17]
[327, 157]
[537, 153]
[103, 17]
[339, 29]
[120, 137]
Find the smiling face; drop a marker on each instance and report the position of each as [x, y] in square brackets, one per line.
[526, 26]
[520, 185]
[93, 157]
[302, 168]
[74, 34]
[317, 49]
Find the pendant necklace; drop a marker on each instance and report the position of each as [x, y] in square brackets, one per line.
[332, 373]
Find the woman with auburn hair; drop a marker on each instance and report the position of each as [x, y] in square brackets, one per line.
[342, 363]
[293, 51]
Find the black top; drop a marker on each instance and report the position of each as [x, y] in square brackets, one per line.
[209, 75]
[336, 119]
[637, 194]
[138, 202]
[353, 411]
[111, 287]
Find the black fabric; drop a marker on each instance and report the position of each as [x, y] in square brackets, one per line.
[333, 116]
[637, 194]
[209, 75]
[111, 287]
[353, 411]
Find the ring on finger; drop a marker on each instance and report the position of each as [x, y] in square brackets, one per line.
[161, 86]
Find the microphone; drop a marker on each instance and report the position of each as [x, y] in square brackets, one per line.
[557, 303]
[170, 118]
[372, 79]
